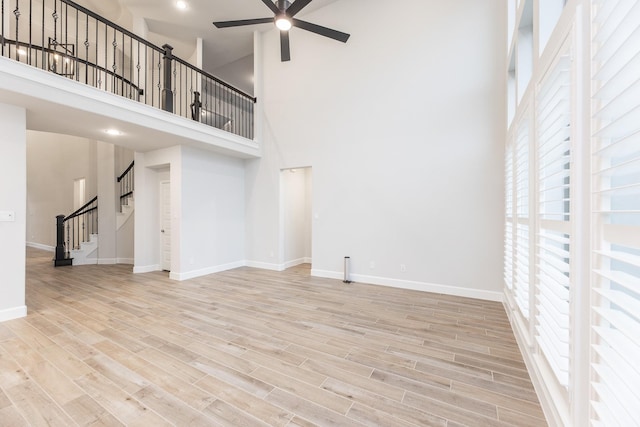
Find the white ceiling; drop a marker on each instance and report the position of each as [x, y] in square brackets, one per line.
[183, 27]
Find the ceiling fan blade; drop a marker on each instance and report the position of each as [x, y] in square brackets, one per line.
[285, 52]
[296, 7]
[271, 5]
[323, 31]
[227, 24]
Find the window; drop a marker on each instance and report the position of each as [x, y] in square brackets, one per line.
[508, 232]
[616, 197]
[522, 227]
[554, 209]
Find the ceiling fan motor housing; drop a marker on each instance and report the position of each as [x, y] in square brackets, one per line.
[283, 4]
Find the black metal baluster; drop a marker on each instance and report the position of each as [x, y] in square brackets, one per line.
[2, 29]
[86, 49]
[30, 32]
[95, 69]
[130, 68]
[68, 248]
[160, 80]
[114, 85]
[43, 65]
[122, 66]
[76, 65]
[65, 44]
[16, 13]
[106, 58]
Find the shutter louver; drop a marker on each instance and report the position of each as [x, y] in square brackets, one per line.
[522, 229]
[553, 239]
[508, 232]
[616, 167]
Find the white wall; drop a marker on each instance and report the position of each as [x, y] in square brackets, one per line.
[123, 158]
[13, 198]
[404, 128]
[212, 223]
[107, 203]
[238, 73]
[207, 211]
[150, 169]
[54, 161]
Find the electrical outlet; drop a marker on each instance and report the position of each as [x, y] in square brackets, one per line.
[372, 264]
[7, 216]
[403, 268]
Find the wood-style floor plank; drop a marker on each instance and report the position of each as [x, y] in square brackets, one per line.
[247, 347]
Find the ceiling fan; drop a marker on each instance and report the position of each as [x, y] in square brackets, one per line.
[284, 12]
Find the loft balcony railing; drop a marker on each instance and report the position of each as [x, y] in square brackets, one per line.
[71, 41]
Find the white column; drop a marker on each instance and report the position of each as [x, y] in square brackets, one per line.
[106, 203]
[13, 210]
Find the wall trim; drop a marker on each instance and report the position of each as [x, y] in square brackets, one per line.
[13, 313]
[413, 285]
[107, 261]
[203, 272]
[264, 265]
[41, 246]
[146, 268]
[295, 262]
[124, 261]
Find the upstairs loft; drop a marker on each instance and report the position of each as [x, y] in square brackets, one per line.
[64, 44]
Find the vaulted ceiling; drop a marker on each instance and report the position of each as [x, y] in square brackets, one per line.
[166, 22]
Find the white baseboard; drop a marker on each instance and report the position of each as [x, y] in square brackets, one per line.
[13, 313]
[204, 271]
[107, 261]
[264, 265]
[412, 285]
[41, 246]
[124, 261]
[295, 262]
[146, 268]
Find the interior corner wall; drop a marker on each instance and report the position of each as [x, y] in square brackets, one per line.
[212, 223]
[13, 201]
[107, 247]
[150, 169]
[54, 161]
[404, 129]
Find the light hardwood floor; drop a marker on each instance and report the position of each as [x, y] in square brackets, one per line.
[248, 347]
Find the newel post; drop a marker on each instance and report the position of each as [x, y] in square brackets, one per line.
[167, 93]
[61, 253]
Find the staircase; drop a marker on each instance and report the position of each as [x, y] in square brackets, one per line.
[87, 252]
[77, 233]
[127, 207]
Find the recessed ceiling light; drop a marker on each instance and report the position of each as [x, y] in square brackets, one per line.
[113, 132]
[181, 4]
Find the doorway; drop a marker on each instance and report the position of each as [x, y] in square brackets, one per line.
[296, 212]
[79, 193]
[165, 225]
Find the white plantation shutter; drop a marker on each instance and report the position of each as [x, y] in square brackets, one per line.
[616, 167]
[553, 239]
[522, 227]
[508, 231]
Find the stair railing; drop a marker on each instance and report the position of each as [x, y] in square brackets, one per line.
[67, 39]
[126, 184]
[81, 224]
